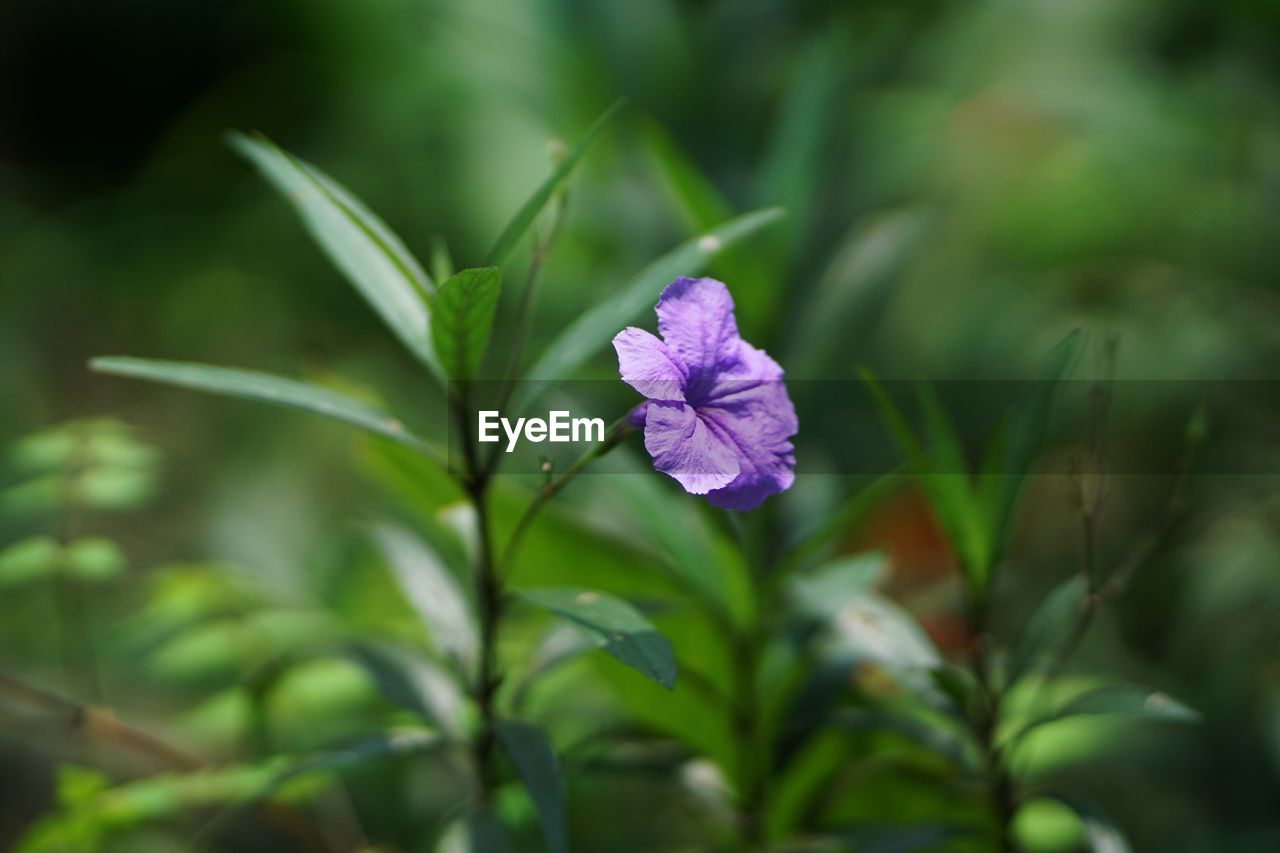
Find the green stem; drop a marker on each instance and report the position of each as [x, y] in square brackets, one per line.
[613, 437]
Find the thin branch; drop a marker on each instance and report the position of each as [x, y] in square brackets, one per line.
[613, 437]
[95, 722]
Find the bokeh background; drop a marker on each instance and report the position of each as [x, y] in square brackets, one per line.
[988, 176]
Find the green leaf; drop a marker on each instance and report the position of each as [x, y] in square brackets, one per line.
[413, 682]
[593, 330]
[529, 211]
[948, 491]
[825, 591]
[697, 198]
[263, 387]
[616, 627]
[433, 592]
[363, 248]
[1010, 458]
[94, 558]
[535, 762]
[855, 288]
[1123, 700]
[29, 560]
[441, 260]
[1048, 626]
[462, 319]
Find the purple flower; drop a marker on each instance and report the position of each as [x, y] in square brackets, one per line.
[718, 418]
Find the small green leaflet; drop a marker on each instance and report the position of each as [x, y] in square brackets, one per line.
[263, 387]
[616, 627]
[462, 319]
[535, 762]
[363, 248]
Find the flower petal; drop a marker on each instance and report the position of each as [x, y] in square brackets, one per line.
[683, 447]
[758, 419]
[695, 317]
[648, 365]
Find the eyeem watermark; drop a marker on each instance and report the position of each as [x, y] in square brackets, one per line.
[559, 427]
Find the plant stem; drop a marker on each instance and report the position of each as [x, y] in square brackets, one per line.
[999, 783]
[613, 437]
[489, 594]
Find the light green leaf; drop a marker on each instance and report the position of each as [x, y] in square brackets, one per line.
[616, 627]
[441, 260]
[263, 387]
[824, 591]
[433, 592]
[529, 211]
[1048, 626]
[535, 762]
[592, 331]
[371, 257]
[94, 558]
[29, 560]
[462, 319]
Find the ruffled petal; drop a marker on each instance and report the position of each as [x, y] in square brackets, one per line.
[683, 447]
[695, 318]
[758, 419]
[648, 365]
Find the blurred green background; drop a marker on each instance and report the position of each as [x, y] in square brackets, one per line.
[983, 177]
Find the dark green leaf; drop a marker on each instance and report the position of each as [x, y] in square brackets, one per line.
[593, 330]
[462, 319]
[1048, 626]
[263, 387]
[1021, 438]
[528, 212]
[948, 490]
[535, 762]
[371, 257]
[414, 682]
[1123, 700]
[616, 627]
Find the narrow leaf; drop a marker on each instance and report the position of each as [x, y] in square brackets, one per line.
[363, 248]
[529, 211]
[432, 590]
[854, 289]
[1122, 699]
[463, 318]
[616, 627]
[535, 762]
[1021, 438]
[263, 387]
[592, 331]
[949, 493]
